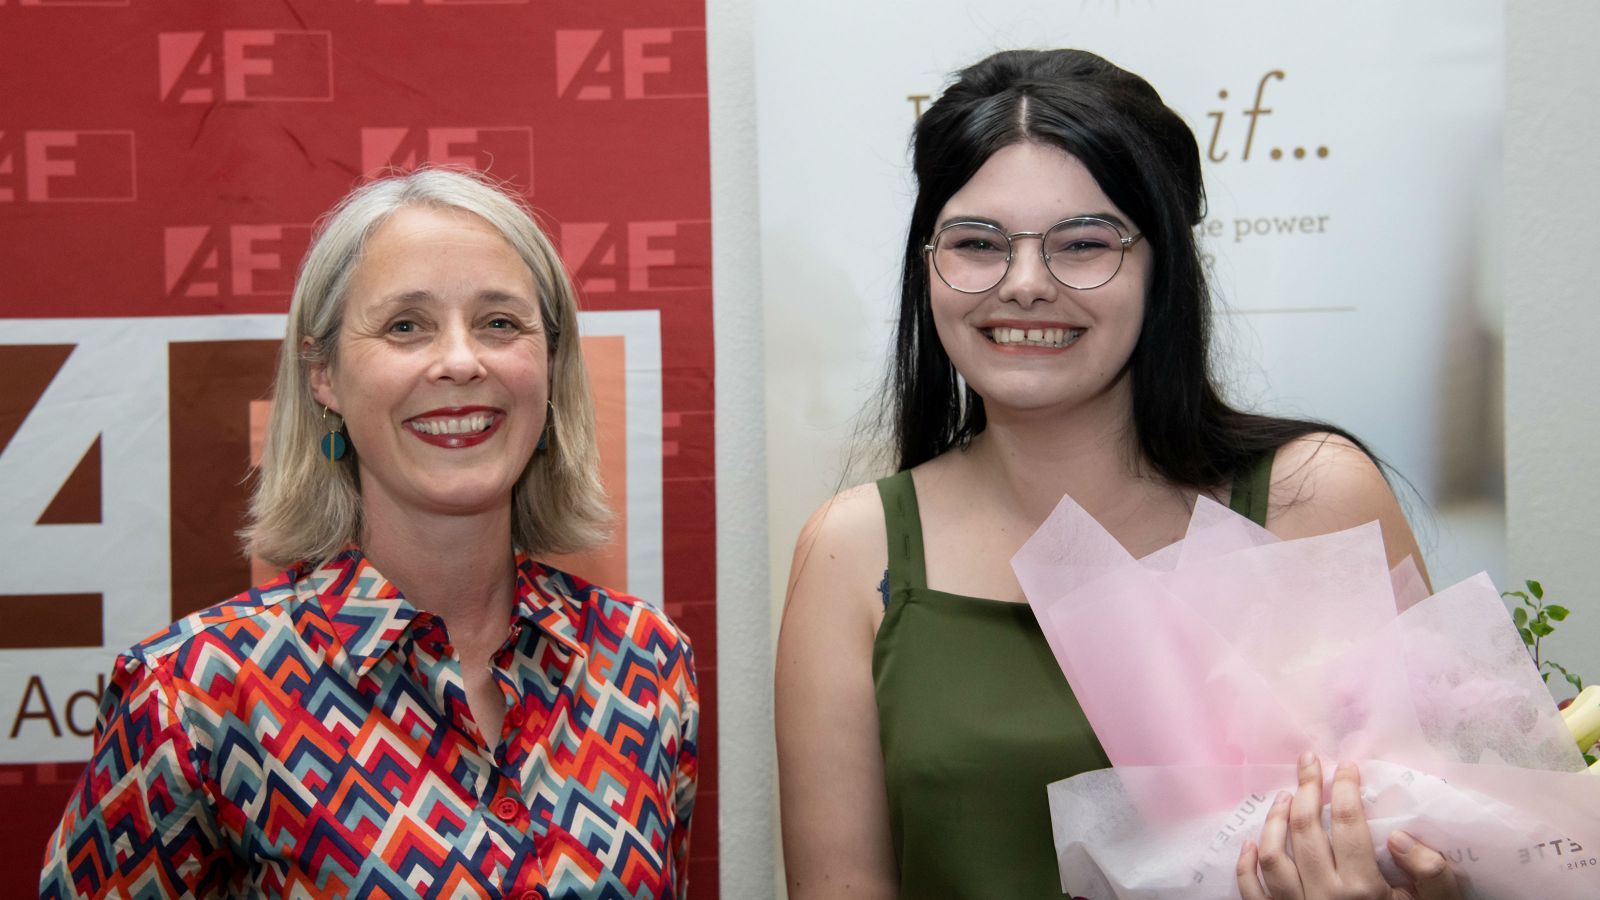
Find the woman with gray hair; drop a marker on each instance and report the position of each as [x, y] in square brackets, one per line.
[415, 706]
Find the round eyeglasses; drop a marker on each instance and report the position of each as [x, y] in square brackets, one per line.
[1082, 253]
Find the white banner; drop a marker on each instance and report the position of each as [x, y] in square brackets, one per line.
[1351, 155]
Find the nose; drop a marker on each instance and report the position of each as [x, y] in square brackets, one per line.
[458, 356]
[1028, 280]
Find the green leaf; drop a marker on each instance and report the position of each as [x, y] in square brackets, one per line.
[1518, 594]
[1527, 637]
[1542, 629]
[1519, 616]
[1590, 759]
[1575, 681]
[1559, 613]
[1536, 589]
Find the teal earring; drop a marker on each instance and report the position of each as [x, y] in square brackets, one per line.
[333, 443]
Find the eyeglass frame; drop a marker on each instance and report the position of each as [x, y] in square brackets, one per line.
[1126, 240]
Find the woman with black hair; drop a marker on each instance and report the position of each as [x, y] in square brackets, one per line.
[1052, 339]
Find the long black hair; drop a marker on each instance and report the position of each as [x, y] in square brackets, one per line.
[1145, 159]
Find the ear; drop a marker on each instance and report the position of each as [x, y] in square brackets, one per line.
[321, 380]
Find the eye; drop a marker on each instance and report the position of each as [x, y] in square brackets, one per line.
[1083, 245]
[1082, 238]
[403, 326]
[506, 325]
[973, 242]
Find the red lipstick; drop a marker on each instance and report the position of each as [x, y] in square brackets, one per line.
[455, 427]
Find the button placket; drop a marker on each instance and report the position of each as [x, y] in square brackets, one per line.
[508, 809]
[518, 716]
[527, 870]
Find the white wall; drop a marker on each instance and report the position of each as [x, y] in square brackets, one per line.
[1552, 337]
[744, 649]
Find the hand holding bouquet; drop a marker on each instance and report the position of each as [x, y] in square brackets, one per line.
[1236, 652]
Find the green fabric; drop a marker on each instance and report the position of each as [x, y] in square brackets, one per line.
[1250, 490]
[975, 719]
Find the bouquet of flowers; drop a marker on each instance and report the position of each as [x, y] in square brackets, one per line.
[1234, 652]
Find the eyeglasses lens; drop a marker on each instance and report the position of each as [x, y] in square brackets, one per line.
[971, 257]
[1082, 254]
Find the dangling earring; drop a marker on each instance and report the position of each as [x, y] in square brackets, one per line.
[333, 443]
[549, 427]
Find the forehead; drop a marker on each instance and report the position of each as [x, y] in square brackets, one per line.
[424, 227]
[442, 251]
[1030, 186]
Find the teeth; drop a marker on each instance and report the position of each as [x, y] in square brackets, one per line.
[465, 425]
[1036, 337]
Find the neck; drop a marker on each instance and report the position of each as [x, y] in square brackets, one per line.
[1028, 459]
[460, 568]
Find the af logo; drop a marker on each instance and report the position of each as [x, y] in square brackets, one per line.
[66, 166]
[209, 67]
[505, 152]
[233, 261]
[124, 450]
[638, 256]
[631, 64]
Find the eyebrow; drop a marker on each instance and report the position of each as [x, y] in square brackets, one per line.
[1111, 217]
[424, 298]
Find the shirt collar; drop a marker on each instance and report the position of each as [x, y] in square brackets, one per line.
[548, 600]
[368, 613]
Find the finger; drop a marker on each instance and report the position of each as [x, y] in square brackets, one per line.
[1278, 871]
[1249, 883]
[1428, 870]
[1309, 844]
[1351, 838]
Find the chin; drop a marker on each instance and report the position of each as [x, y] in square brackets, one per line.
[465, 499]
[1031, 394]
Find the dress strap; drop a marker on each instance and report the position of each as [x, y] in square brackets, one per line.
[1251, 487]
[903, 524]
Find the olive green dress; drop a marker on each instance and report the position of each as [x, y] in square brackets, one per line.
[975, 719]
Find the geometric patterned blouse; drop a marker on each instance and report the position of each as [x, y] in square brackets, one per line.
[311, 738]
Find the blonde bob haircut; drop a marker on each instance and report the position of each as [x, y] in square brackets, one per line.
[306, 508]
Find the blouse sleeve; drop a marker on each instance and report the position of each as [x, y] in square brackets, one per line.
[688, 768]
[140, 822]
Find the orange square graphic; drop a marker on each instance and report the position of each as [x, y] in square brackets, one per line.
[607, 564]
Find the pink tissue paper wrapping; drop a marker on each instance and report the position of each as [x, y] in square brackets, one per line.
[1207, 667]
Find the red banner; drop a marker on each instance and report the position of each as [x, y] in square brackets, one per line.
[161, 167]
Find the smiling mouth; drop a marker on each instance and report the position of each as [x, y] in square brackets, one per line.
[474, 423]
[1032, 337]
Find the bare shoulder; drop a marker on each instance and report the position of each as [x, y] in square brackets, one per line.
[1323, 482]
[841, 553]
[1326, 466]
[836, 840]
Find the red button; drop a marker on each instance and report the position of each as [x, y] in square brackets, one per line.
[507, 809]
[529, 895]
[519, 717]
